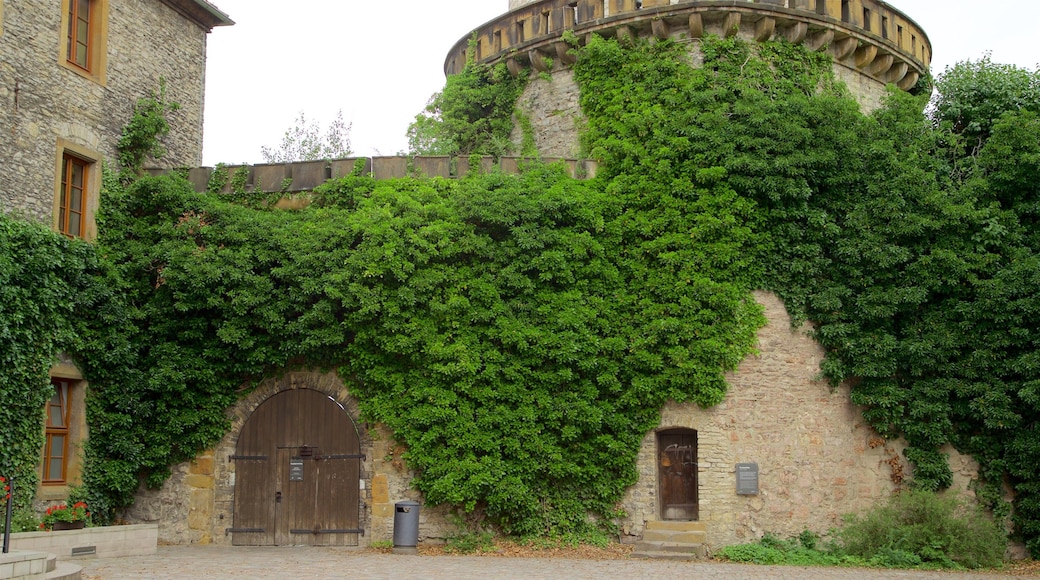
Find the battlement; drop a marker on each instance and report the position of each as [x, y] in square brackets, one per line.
[291, 178]
[868, 35]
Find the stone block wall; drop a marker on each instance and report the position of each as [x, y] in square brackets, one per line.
[817, 457]
[42, 101]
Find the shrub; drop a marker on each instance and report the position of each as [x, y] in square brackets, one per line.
[919, 527]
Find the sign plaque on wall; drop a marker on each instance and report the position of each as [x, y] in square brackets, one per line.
[296, 469]
[747, 479]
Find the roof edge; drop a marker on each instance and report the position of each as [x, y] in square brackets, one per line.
[202, 13]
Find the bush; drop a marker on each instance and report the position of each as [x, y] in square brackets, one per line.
[919, 527]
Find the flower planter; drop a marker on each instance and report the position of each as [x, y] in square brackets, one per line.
[58, 526]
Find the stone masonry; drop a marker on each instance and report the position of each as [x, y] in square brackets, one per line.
[818, 459]
[42, 102]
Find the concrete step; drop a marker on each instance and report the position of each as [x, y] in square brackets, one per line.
[65, 571]
[52, 561]
[674, 537]
[674, 526]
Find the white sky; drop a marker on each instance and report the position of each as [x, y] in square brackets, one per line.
[380, 60]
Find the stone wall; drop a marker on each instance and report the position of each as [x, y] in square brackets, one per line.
[42, 102]
[196, 505]
[817, 457]
[550, 102]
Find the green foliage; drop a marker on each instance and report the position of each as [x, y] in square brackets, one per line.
[47, 286]
[520, 333]
[917, 528]
[774, 551]
[305, 141]
[973, 95]
[142, 135]
[473, 114]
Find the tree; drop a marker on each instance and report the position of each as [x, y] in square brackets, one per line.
[304, 142]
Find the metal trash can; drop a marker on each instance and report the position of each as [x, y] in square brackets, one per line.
[406, 527]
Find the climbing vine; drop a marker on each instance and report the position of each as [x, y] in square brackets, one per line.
[47, 284]
[519, 334]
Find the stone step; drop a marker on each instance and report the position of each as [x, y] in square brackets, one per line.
[52, 561]
[644, 546]
[650, 535]
[65, 571]
[678, 526]
[655, 555]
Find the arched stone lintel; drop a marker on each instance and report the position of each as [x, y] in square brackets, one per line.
[764, 29]
[797, 32]
[538, 61]
[909, 80]
[564, 54]
[515, 68]
[844, 48]
[731, 24]
[897, 72]
[819, 40]
[865, 55]
[625, 34]
[696, 25]
[660, 28]
[881, 65]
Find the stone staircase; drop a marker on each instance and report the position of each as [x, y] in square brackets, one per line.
[673, 541]
[20, 565]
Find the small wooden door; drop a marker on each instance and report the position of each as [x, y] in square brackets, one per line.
[677, 474]
[297, 472]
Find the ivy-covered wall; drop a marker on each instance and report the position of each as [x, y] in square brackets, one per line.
[519, 335]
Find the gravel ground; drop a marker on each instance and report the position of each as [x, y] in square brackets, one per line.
[306, 562]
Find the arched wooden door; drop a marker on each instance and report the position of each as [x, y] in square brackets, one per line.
[297, 470]
[677, 474]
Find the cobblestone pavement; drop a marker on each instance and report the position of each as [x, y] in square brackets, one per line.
[301, 562]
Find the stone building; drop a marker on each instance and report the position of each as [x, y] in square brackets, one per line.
[70, 74]
[782, 453]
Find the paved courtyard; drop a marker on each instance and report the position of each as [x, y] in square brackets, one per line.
[300, 562]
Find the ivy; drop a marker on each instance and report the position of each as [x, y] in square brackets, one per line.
[47, 284]
[519, 334]
[142, 136]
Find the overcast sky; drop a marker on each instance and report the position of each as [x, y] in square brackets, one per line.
[380, 60]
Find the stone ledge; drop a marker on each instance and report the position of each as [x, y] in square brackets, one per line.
[108, 541]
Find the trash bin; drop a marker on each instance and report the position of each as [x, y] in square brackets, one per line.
[406, 527]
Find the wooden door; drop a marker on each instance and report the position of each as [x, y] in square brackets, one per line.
[677, 474]
[297, 474]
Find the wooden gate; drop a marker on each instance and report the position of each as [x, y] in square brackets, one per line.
[297, 472]
[677, 474]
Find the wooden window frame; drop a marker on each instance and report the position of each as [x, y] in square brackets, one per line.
[96, 41]
[63, 430]
[67, 151]
[67, 214]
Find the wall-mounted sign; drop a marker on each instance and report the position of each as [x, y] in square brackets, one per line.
[296, 469]
[747, 479]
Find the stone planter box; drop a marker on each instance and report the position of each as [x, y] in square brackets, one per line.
[101, 542]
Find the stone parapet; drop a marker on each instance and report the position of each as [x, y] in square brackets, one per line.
[304, 176]
[870, 36]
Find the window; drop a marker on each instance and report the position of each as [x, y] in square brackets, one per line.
[78, 49]
[77, 181]
[84, 25]
[821, 7]
[56, 448]
[884, 27]
[866, 19]
[72, 206]
[846, 14]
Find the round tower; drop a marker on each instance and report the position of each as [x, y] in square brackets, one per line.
[871, 42]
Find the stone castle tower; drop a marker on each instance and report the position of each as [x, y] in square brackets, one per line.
[873, 44]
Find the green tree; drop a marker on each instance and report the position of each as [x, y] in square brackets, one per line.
[305, 141]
